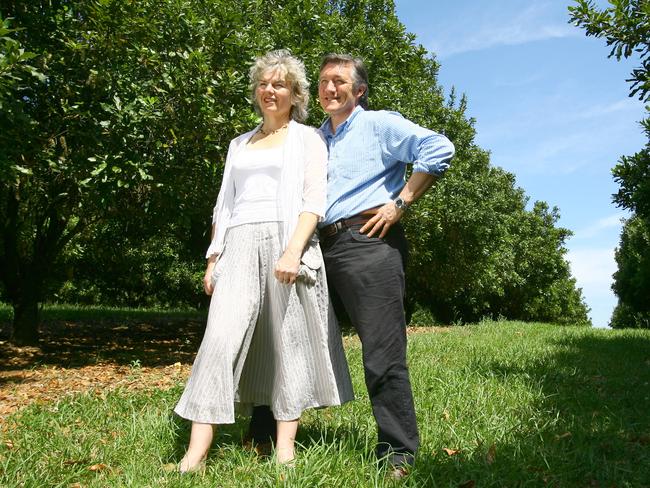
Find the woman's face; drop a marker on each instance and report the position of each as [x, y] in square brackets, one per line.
[274, 95]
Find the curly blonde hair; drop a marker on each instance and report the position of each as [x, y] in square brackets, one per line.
[293, 71]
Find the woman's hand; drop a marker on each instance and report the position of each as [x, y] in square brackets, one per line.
[286, 269]
[208, 287]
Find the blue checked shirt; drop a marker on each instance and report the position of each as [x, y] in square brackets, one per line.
[367, 161]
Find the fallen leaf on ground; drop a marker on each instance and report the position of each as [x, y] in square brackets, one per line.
[9, 444]
[445, 415]
[451, 452]
[491, 454]
[98, 467]
[563, 436]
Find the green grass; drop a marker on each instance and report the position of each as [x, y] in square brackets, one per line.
[524, 404]
[92, 313]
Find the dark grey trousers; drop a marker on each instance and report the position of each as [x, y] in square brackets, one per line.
[367, 275]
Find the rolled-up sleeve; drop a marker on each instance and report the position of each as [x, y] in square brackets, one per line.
[403, 140]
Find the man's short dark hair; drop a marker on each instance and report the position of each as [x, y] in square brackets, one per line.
[359, 72]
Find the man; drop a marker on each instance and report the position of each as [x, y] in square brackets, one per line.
[363, 242]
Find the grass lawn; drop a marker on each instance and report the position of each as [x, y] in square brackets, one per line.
[498, 404]
[95, 313]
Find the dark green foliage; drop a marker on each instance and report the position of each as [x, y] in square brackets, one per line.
[126, 127]
[632, 173]
[626, 27]
[111, 160]
[632, 279]
[134, 271]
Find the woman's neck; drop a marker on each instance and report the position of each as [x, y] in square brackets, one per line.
[272, 133]
[271, 124]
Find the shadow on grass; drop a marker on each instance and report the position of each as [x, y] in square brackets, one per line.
[597, 399]
[80, 337]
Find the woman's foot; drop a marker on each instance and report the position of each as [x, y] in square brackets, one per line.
[192, 464]
[200, 440]
[285, 455]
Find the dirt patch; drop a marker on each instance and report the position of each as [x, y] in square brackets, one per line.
[43, 384]
[80, 357]
[102, 356]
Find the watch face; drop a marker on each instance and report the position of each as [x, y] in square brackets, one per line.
[400, 203]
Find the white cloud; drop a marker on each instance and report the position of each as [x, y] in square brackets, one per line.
[561, 134]
[627, 104]
[593, 269]
[605, 224]
[493, 28]
[519, 149]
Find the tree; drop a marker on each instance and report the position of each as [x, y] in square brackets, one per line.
[483, 254]
[127, 123]
[632, 278]
[626, 27]
[126, 137]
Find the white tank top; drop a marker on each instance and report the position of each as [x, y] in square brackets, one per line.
[256, 176]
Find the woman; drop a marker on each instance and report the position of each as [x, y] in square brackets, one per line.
[271, 338]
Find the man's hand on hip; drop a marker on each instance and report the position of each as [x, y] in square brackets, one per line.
[386, 216]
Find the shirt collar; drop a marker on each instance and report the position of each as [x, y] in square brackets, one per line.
[326, 128]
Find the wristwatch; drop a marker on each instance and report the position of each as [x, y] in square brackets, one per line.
[401, 204]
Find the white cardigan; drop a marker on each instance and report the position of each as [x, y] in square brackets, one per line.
[302, 188]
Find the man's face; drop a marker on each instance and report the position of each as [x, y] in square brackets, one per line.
[336, 90]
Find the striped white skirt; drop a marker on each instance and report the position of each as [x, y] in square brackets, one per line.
[266, 343]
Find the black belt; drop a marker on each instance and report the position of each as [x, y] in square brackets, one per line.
[343, 224]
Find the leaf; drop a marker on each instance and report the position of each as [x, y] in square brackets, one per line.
[98, 169]
[451, 452]
[563, 436]
[491, 454]
[25, 55]
[98, 467]
[23, 170]
[9, 444]
[445, 415]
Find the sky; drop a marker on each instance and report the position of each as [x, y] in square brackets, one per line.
[552, 109]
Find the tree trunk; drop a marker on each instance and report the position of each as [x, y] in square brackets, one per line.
[26, 322]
